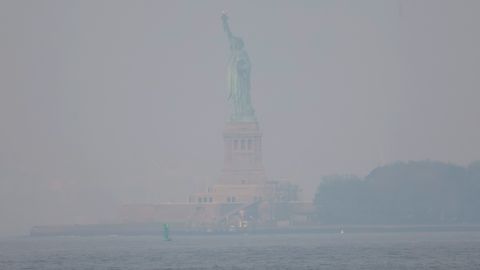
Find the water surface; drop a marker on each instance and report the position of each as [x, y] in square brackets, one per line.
[406, 250]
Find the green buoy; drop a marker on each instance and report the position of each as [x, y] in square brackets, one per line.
[166, 232]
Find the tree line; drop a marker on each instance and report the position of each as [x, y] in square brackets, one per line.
[417, 192]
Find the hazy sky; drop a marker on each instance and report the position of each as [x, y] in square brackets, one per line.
[111, 102]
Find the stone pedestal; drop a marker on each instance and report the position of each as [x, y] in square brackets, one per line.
[243, 155]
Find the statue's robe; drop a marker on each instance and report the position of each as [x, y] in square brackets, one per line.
[239, 86]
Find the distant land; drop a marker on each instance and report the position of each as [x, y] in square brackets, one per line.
[411, 196]
[402, 193]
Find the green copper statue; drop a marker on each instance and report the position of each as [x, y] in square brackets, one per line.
[238, 78]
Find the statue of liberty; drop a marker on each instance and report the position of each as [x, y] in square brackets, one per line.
[238, 78]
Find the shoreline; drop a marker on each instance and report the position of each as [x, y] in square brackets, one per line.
[157, 229]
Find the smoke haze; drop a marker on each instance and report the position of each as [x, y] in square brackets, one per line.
[104, 103]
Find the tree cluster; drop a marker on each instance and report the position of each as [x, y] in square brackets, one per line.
[420, 192]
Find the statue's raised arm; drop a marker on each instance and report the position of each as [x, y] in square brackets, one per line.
[226, 27]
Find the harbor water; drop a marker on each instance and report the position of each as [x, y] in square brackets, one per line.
[402, 250]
